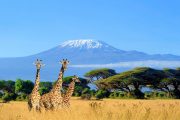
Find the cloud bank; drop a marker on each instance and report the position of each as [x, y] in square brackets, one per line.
[132, 64]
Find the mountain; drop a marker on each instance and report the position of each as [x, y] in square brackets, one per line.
[83, 55]
[96, 52]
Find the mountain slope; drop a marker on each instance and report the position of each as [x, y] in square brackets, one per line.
[81, 52]
[96, 52]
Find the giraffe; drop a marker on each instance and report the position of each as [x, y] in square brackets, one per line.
[69, 92]
[34, 97]
[53, 99]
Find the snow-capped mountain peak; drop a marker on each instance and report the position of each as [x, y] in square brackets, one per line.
[82, 43]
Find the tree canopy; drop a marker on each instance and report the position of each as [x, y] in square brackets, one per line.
[143, 76]
[137, 76]
[23, 86]
[100, 73]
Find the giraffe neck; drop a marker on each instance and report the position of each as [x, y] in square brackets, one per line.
[58, 85]
[70, 91]
[36, 86]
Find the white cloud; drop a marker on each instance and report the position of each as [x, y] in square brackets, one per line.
[132, 64]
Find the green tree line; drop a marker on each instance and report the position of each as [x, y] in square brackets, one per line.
[109, 84]
[20, 89]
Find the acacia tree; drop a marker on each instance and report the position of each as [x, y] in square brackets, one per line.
[131, 81]
[172, 80]
[131, 85]
[121, 84]
[136, 83]
[100, 74]
[171, 86]
[176, 84]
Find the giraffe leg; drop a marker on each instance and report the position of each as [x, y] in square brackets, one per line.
[29, 103]
[38, 108]
[29, 106]
[68, 105]
[47, 105]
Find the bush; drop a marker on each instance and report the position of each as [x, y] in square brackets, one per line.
[121, 95]
[43, 90]
[8, 97]
[21, 97]
[155, 94]
[86, 96]
[118, 95]
[162, 94]
[176, 94]
[148, 95]
[92, 92]
[101, 94]
[1, 94]
[138, 94]
[112, 95]
[77, 94]
[85, 91]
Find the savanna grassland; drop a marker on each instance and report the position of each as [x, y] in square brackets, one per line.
[107, 109]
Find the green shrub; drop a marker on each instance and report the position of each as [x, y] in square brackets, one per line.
[119, 94]
[176, 94]
[162, 94]
[92, 92]
[8, 97]
[112, 95]
[1, 94]
[138, 94]
[86, 90]
[86, 96]
[43, 90]
[21, 97]
[101, 94]
[77, 94]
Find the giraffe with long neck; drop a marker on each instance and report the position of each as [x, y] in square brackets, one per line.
[69, 92]
[34, 97]
[53, 99]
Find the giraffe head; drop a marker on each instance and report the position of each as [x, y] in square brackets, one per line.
[64, 63]
[38, 64]
[75, 79]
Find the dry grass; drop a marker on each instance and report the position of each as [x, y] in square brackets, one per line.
[98, 110]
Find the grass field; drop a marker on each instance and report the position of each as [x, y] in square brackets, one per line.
[107, 109]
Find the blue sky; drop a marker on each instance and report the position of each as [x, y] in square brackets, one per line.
[31, 26]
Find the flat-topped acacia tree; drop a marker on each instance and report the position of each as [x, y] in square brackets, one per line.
[137, 77]
[98, 74]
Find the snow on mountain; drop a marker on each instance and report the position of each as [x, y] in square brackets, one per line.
[88, 44]
[82, 44]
